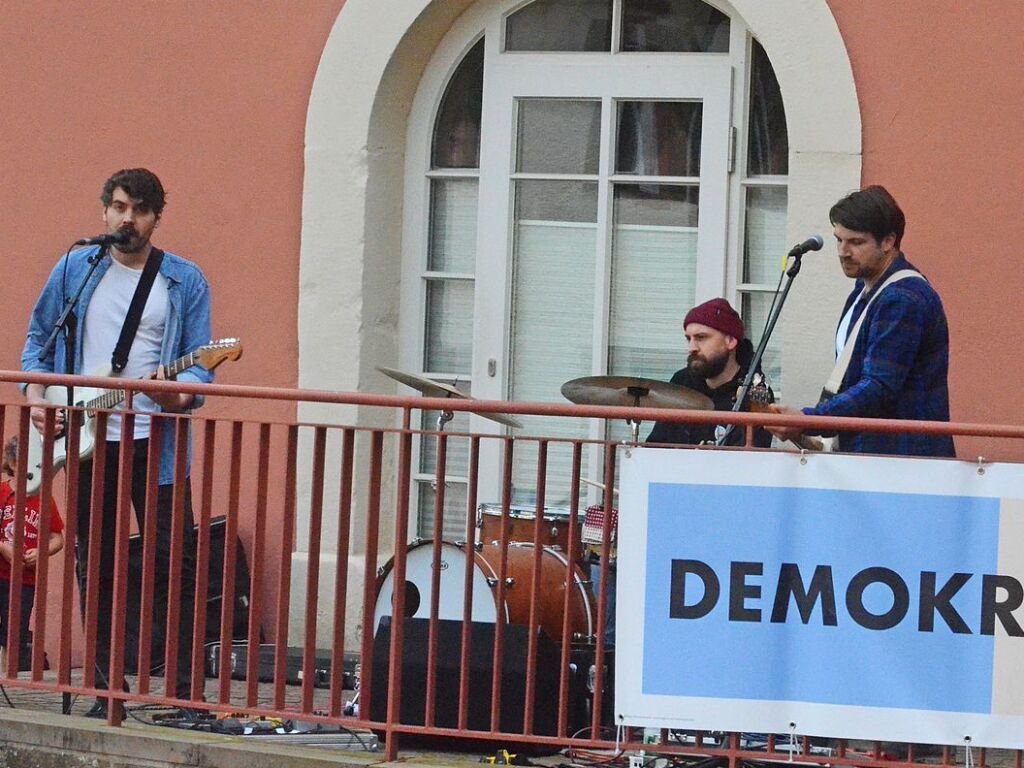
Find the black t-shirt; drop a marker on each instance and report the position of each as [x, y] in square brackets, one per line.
[693, 434]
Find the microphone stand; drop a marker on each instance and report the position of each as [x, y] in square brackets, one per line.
[68, 321]
[780, 299]
[68, 324]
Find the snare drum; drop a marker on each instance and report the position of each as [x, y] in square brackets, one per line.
[486, 561]
[554, 530]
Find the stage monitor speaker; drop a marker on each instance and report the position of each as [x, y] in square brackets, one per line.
[214, 596]
[481, 656]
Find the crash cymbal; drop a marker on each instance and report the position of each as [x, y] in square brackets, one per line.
[431, 388]
[634, 391]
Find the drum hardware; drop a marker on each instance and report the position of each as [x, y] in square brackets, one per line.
[596, 484]
[635, 392]
[461, 544]
[431, 388]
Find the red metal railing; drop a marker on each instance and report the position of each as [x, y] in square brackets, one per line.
[250, 469]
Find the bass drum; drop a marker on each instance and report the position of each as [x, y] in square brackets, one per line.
[485, 563]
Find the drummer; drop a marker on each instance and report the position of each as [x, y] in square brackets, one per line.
[719, 355]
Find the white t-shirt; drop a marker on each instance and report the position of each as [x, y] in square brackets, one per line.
[103, 321]
[844, 326]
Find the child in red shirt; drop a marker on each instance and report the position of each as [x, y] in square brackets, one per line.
[32, 517]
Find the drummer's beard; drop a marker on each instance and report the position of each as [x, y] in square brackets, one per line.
[707, 367]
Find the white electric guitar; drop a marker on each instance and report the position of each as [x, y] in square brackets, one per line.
[209, 356]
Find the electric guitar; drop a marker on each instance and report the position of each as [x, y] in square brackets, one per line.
[90, 398]
[759, 397]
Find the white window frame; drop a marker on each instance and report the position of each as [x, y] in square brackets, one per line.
[709, 77]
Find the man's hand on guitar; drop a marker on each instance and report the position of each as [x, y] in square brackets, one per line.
[785, 433]
[35, 398]
[170, 401]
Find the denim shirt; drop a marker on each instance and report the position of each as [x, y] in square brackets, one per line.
[187, 328]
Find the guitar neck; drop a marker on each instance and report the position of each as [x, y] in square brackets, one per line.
[112, 398]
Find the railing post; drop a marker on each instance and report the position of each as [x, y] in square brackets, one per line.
[395, 654]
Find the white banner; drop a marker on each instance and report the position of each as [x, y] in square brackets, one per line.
[841, 596]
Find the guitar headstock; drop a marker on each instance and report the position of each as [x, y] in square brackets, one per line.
[759, 396]
[216, 352]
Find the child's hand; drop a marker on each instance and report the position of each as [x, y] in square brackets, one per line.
[31, 558]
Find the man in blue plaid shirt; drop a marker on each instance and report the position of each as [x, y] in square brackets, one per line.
[900, 359]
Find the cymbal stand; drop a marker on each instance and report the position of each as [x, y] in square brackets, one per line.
[634, 424]
[779, 300]
[443, 418]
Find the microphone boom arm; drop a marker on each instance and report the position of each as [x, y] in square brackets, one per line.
[741, 394]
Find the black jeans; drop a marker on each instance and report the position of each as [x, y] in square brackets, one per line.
[28, 597]
[165, 495]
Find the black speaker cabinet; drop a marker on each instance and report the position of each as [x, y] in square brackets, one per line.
[446, 699]
[214, 596]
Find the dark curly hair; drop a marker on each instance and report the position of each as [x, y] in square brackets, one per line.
[873, 210]
[139, 184]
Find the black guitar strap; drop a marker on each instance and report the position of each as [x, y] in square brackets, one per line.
[131, 321]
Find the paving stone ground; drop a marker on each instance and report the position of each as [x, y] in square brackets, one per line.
[137, 714]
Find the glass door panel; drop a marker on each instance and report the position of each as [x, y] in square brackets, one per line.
[602, 220]
[552, 313]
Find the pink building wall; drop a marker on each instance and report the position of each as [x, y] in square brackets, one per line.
[942, 105]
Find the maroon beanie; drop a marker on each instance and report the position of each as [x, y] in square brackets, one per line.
[717, 314]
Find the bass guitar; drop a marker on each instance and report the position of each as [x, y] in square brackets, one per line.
[92, 398]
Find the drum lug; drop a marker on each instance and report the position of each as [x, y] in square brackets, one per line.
[492, 581]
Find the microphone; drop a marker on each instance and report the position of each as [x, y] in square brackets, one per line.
[812, 243]
[120, 237]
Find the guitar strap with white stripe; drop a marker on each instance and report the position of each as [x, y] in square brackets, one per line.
[835, 379]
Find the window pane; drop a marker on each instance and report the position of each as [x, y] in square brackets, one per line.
[764, 235]
[659, 138]
[449, 332]
[556, 136]
[755, 316]
[454, 524]
[457, 131]
[453, 207]
[552, 316]
[768, 152]
[555, 203]
[561, 25]
[683, 26]
[654, 269]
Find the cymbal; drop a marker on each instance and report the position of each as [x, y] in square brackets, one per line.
[634, 391]
[431, 388]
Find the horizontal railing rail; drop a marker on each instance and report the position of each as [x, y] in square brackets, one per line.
[502, 639]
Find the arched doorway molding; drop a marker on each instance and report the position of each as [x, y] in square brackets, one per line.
[352, 192]
[353, 189]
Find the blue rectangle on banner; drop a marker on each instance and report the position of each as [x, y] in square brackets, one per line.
[884, 645]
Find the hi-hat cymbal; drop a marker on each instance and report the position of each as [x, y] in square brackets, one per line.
[634, 391]
[432, 388]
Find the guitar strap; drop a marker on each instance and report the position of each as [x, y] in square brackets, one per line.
[835, 380]
[131, 321]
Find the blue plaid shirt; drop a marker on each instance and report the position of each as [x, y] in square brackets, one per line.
[898, 369]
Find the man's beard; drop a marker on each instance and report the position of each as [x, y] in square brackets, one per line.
[134, 245]
[705, 367]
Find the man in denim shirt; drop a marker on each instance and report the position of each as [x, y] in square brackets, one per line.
[900, 359]
[175, 322]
